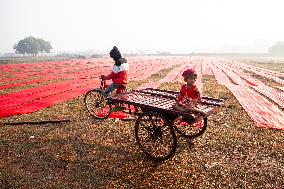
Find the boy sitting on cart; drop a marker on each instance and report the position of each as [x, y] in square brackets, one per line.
[189, 95]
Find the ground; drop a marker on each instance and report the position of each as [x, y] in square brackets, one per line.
[86, 153]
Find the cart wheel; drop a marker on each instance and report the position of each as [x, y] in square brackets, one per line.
[190, 130]
[155, 136]
[96, 104]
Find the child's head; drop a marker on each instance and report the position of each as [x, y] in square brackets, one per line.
[189, 76]
[115, 54]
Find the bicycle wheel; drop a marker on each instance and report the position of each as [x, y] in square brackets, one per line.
[97, 104]
[155, 137]
[190, 130]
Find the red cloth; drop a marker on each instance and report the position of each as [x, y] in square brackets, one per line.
[119, 74]
[186, 96]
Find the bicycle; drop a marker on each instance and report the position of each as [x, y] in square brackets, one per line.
[96, 102]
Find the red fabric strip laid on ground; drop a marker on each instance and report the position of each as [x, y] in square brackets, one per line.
[263, 113]
[168, 78]
[205, 70]
[146, 68]
[34, 99]
[262, 72]
[118, 114]
[32, 105]
[24, 83]
[19, 98]
[275, 95]
[58, 70]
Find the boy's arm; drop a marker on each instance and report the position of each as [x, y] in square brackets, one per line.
[109, 76]
[180, 95]
[197, 94]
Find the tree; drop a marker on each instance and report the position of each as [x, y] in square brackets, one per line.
[278, 48]
[32, 46]
[45, 46]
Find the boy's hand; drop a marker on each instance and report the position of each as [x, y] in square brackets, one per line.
[103, 77]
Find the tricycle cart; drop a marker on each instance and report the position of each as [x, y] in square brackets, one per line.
[155, 119]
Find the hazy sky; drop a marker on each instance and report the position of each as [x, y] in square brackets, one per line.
[180, 26]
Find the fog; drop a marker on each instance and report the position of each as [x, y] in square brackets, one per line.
[177, 26]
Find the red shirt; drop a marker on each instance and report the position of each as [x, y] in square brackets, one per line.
[188, 94]
[119, 74]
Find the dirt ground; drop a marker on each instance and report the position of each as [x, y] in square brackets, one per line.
[87, 153]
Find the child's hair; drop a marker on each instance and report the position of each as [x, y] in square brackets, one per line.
[114, 53]
[188, 72]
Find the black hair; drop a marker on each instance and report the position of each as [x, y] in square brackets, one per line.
[115, 54]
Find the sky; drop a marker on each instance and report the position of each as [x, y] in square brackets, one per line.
[177, 26]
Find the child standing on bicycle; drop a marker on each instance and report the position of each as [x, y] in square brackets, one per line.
[119, 74]
[189, 94]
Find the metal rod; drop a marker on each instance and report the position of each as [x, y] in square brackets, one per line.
[35, 122]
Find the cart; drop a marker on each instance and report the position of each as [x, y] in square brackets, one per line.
[156, 123]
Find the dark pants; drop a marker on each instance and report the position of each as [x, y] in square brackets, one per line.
[110, 88]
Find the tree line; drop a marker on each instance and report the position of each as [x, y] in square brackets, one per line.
[32, 46]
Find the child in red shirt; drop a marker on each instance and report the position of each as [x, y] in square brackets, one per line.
[189, 94]
[119, 74]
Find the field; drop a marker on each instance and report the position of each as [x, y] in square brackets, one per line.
[273, 63]
[242, 147]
